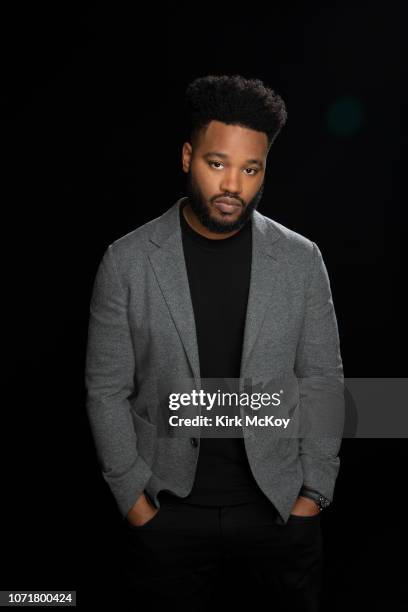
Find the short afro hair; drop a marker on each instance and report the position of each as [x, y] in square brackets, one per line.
[233, 100]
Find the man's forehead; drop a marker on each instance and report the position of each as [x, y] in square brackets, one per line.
[218, 136]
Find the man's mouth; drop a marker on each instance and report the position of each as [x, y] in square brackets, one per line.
[227, 205]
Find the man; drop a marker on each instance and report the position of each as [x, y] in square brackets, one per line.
[212, 289]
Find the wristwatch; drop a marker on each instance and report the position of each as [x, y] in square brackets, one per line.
[317, 497]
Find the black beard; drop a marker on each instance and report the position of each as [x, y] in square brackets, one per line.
[201, 209]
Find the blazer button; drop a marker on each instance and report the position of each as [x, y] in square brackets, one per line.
[193, 442]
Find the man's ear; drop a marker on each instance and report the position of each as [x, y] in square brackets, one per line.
[187, 153]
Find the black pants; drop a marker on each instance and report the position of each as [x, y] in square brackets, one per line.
[179, 558]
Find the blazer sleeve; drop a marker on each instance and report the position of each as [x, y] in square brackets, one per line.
[109, 381]
[319, 368]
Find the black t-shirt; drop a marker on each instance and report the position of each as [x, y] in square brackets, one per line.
[219, 275]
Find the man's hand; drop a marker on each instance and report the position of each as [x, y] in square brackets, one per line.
[141, 512]
[304, 506]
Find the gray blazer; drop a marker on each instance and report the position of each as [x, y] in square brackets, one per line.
[141, 327]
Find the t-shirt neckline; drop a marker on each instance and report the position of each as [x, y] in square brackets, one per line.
[212, 244]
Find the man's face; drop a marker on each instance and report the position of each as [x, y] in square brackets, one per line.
[238, 175]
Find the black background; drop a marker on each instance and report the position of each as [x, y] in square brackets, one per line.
[91, 136]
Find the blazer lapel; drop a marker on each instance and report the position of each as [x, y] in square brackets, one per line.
[171, 272]
[170, 269]
[264, 272]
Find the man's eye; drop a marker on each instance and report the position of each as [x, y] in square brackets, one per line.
[213, 162]
[254, 170]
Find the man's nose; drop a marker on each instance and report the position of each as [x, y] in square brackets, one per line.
[231, 184]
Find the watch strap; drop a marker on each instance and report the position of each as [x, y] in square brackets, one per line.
[317, 497]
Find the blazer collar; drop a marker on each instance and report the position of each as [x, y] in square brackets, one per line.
[167, 258]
